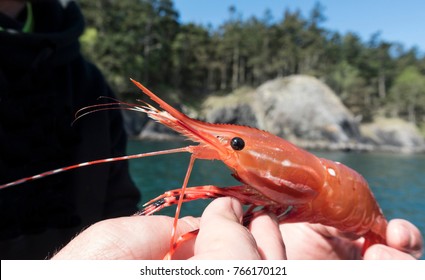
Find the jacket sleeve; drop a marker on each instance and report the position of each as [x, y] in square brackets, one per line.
[122, 195]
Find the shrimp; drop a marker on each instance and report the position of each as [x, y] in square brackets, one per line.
[275, 175]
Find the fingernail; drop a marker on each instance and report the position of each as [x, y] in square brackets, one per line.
[405, 237]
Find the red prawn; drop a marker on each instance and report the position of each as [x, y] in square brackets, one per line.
[275, 175]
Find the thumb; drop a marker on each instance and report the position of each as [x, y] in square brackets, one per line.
[221, 234]
[404, 236]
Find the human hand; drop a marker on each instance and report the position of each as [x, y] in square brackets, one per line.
[148, 237]
[404, 242]
[314, 241]
[125, 238]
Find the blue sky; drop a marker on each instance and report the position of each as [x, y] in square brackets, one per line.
[397, 21]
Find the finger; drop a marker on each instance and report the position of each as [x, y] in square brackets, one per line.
[382, 252]
[134, 237]
[314, 242]
[221, 234]
[331, 232]
[404, 236]
[265, 230]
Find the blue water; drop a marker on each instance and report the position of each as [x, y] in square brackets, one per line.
[398, 181]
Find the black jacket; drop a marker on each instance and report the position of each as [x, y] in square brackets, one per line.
[44, 80]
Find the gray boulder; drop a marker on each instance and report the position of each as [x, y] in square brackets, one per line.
[393, 134]
[235, 108]
[302, 108]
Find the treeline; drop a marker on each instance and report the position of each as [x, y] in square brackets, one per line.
[144, 39]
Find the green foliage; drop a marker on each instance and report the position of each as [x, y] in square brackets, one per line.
[143, 39]
[407, 95]
[191, 51]
[130, 38]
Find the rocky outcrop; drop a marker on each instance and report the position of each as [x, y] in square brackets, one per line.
[235, 108]
[302, 108]
[394, 135]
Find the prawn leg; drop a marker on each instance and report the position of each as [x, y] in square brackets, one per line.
[180, 241]
[169, 198]
[172, 197]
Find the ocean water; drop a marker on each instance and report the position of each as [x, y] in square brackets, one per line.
[398, 181]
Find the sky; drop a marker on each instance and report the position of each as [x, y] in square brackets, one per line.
[401, 21]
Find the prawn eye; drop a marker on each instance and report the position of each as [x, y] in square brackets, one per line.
[237, 143]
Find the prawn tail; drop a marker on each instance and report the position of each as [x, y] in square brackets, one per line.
[371, 238]
[377, 234]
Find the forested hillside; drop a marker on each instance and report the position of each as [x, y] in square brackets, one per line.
[144, 39]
